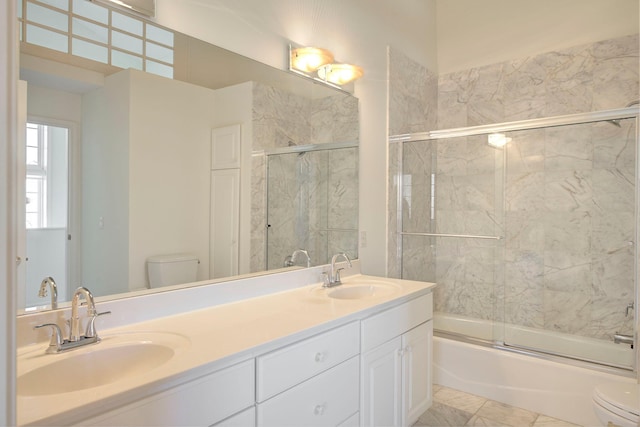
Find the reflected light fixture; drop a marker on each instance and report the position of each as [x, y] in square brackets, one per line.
[340, 74]
[498, 140]
[310, 59]
[144, 7]
[318, 64]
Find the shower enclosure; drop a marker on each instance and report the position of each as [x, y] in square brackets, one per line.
[312, 202]
[529, 229]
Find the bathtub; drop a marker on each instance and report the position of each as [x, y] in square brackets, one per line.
[574, 346]
[551, 387]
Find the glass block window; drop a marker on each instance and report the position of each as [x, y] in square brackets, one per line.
[93, 31]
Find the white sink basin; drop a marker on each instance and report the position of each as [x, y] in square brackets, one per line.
[359, 289]
[113, 359]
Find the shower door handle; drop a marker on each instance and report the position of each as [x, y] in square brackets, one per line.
[623, 339]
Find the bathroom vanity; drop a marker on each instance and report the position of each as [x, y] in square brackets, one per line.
[356, 354]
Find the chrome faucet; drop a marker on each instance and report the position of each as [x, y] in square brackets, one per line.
[290, 260]
[54, 291]
[76, 339]
[74, 335]
[332, 277]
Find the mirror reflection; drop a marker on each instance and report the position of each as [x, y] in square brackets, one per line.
[136, 181]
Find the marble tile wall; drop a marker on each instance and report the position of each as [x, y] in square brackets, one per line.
[413, 94]
[563, 198]
[584, 78]
[310, 191]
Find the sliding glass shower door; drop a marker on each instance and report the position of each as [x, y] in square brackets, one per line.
[312, 200]
[529, 230]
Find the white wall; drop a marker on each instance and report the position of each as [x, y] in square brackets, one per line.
[472, 33]
[181, 144]
[105, 187]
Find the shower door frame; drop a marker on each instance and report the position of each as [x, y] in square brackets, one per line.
[299, 149]
[528, 124]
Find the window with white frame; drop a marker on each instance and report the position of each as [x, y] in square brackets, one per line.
[98, 33]
[47, 172]
[36, 176]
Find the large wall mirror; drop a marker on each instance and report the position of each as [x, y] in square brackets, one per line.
[145, 147]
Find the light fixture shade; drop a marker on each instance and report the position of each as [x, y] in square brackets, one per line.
[144, 7]
[498, 140]
[340, 74]
[309, 59]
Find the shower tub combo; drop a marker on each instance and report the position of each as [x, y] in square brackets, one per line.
[529, 229]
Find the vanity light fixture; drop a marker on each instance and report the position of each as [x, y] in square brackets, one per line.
[319, 64]
[309, 59]
[498, 140]
[340, 74]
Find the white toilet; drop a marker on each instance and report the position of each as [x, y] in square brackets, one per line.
[174, 269]
[617, 404]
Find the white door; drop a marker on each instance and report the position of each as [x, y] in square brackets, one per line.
[381, 385]
[416, 345]
[46, 207]
[225, 211]
[21, 246]
[224, 233]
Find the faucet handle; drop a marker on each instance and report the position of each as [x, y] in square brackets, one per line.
[56, 337]
[90, 332]
[326, 279]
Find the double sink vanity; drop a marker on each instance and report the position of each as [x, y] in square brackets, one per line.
[275, 350]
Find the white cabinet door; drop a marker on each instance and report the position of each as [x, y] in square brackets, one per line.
[416, 368]
[396, 379]
[381, 385]
[225, 147]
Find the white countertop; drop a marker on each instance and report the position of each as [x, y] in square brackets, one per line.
[215, 338]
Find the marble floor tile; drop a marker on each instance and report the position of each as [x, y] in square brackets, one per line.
[545, 421]
[440, 415]
[506, 415]
[459, 399]
[454, 408]
[478, 421]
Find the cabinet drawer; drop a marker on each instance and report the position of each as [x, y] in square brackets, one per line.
[325, 400]
[384, 326]
[284, 368]
[201, 402]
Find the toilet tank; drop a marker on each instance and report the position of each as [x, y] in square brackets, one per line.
[172, 269]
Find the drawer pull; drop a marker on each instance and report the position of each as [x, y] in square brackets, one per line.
[319, 409]
[320, 357]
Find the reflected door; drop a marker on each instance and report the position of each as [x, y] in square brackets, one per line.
[46, 202]
[312, 204]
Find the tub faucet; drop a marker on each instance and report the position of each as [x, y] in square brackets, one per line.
[48, 281]
[290, 260]
[332, 277]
